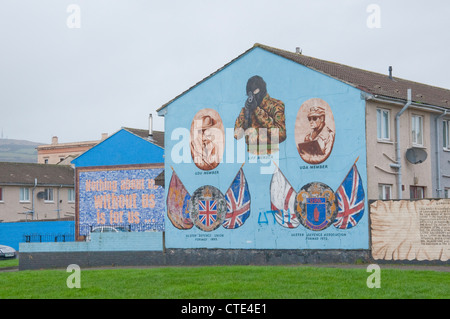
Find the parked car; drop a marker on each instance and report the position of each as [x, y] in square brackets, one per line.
[109, 229]
[7, 252]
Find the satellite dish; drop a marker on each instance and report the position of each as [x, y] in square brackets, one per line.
[41, 195]
[416, 155]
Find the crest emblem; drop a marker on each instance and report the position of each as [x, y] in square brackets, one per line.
[208, 208]
[316, 206]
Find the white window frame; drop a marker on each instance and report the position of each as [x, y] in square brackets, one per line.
[382, 188]
[446, 135]
[417, 130]
[24, 195]
[71, 195]
[48, 195]
[383, 128]
[447, 193]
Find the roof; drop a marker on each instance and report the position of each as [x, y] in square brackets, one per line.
[157, 138]
[45, 174]
[380, 85]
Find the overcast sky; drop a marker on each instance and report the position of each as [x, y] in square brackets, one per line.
[122, 59]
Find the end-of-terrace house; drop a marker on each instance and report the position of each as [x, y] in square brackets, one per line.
[407, 130]
[30, 191]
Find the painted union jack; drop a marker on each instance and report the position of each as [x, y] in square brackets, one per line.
[238, 202]
[207, 212]
[350, 197]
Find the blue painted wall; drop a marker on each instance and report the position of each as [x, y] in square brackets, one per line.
[121, 148]
[11, 234]
[293, 84]
[147, 241]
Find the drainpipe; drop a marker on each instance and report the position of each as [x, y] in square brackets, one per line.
[32, 199]
[398, 165]
[438, 159]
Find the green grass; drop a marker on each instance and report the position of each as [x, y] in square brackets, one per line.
[9, 263]
[226, 282]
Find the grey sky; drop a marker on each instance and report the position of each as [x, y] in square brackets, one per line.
[129, 57]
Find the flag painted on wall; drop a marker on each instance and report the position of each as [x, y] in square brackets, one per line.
[351, 198]
[238, 202]
[178, 199]
[282, 198]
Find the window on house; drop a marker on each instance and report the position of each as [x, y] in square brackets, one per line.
[446, 134]
[1, 194]
[383, 124]
[417, 130]
[71, 195]
[417, 192]
[447, 193]
[48, 197]
[46, 161]
[384, 191]
[24, 194]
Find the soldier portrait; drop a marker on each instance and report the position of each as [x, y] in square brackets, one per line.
[314, 131]
[261, 120]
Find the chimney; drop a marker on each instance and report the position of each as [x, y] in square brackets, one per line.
[104, 136]
[298, 50]
[390, 72]
[150, 126]
[54, 140]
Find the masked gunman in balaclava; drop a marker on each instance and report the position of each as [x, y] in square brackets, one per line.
[261, 120]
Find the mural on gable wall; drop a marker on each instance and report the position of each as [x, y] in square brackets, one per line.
[120, 197]
[312, 197]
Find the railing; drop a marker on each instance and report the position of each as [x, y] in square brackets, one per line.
[85, 229]
[45, 238]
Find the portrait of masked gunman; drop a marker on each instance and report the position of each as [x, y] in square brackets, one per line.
[261, 120]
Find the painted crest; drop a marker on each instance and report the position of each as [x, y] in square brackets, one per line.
[208, 208]
[316, 206]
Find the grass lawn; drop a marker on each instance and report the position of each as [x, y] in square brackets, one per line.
[226, 282]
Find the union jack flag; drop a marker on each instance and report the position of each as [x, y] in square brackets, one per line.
[238, 202]
[350, 197]
[207, 212]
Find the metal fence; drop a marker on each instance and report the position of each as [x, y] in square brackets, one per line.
[86, 229]
[46, 238]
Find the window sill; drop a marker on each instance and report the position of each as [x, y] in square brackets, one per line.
[385, 141]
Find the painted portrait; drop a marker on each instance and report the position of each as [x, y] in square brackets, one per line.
[314, 131]
[207, 139]
[261, 120]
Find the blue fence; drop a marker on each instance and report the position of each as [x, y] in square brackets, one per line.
[11, 234]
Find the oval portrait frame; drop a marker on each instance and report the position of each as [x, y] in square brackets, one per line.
[315, 145]
[207, 139]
